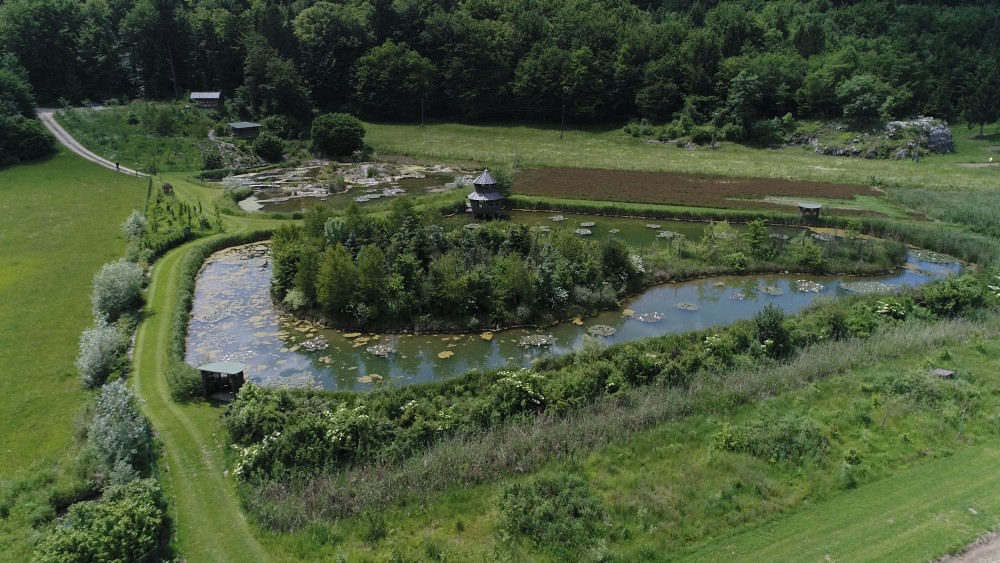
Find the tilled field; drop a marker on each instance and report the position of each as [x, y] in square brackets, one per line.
[676, 189]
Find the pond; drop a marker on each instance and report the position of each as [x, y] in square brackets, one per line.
[233, 319]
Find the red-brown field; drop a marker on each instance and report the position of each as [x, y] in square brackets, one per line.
[676, 189]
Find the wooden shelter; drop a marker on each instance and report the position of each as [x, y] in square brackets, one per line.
[244, 129]
[807, 209]
[222, 380]
[485, 201]
[207, 100]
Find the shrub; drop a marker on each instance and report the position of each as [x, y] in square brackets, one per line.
[554, 510]
[773, 438]
[124, 526]
[773, 336]
[701, 135]
[23, 139]
[135, 225]
[118, 431]
[269, 147]
[212, 159]
[953, 296]
[117, 289]
[184, 381]
[100, 348]
[337, 134]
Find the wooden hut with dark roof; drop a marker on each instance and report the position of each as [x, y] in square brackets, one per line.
[207, 100]
[485, 201]
[222, 380]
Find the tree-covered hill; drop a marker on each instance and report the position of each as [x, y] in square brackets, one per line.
[610, 60]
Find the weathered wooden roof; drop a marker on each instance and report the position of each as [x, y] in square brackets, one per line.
[808, 205]
[485, 196]
[206, 95]
[484, 179]
[228, 368]
[244, 125]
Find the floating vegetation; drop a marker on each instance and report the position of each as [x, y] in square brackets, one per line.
[577, 321]
[931, 256]
[588, 224]
[738, 296]
[352, 334]
[536, 340]
[772, 290]
[686, 306]
[300, 380]
[778, 236]
[557, 218]
[472, 226]
[314, 344]
[807, 286]
[719, 284]
[650, 317]
[380, 350]
[666, 234]
[446, 354]
[370, 378]
[487, 336]
[628, 313]
[614, 231]
[653, 225]
[821, 237]
[601, 330]
[866, 287]
[582, 232]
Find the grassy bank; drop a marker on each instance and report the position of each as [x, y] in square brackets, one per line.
[61, 221]
[527, 146]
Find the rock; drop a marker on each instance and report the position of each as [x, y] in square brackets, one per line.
[940, 139]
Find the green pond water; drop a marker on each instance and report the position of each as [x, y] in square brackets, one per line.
[233, 319]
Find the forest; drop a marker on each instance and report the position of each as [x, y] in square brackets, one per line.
[736, 63]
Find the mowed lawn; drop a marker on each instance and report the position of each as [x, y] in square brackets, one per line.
[60, 220]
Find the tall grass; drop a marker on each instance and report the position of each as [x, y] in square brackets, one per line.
[143, 135]
[974, 209]
[494, 454]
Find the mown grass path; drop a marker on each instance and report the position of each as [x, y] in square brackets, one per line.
[208, 521]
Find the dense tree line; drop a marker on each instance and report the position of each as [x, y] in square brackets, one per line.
[402, 271]
[735, 62]
[22, 137]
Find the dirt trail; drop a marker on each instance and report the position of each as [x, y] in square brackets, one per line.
[47, 117]
[984, 550]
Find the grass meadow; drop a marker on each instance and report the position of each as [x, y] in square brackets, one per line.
[61, 220]
[531, 146]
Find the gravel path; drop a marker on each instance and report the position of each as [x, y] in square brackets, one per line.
[46, 115]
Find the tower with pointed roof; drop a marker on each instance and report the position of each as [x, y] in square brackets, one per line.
[485, 201]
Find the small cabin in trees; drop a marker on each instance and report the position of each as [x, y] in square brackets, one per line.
[485, 201]
[207, 100]
[222, 380]
[244, 130]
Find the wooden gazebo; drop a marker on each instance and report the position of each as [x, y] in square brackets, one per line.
[207, 100]
[244, 129]
[222, 380]
[485, 201]
[807, 209]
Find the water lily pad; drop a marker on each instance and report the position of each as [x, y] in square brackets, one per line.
[686, 306]
[614, 231]
[582, 232]
[557, 218]
[807, 286]
[446, 354]
[650, 317]
[535, 340]
[666, 234]
[601, 330]
[738, 296]
[864, 287]
[577, 321]
[370, 378]
[380, 350]
[588, 224]
[352, 334]
[653, 225]
[628, 313]
[772, 290]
